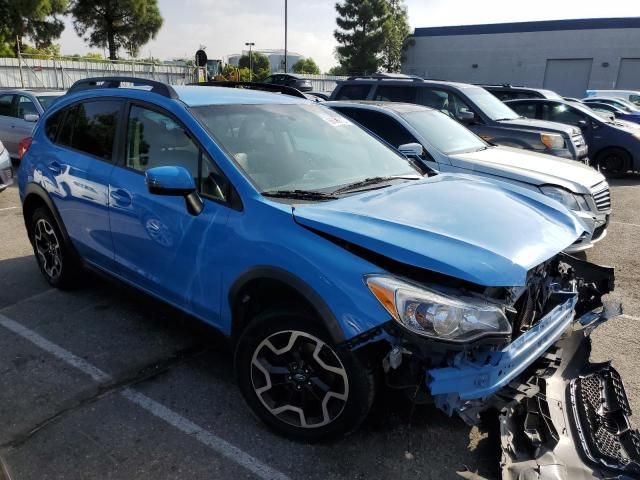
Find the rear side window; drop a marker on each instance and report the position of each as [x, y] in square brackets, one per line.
[353, 92]
[396, 94]
[383, 126]
[91, 127]
[525, 109]
[26, 107]
[53, 124]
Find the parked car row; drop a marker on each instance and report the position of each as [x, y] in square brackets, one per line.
[334, 263]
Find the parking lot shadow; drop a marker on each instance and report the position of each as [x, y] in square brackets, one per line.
[628, 180]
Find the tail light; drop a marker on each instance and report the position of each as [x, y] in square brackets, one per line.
[23, 146]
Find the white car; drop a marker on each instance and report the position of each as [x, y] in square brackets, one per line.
[6, 171]
[631, 95]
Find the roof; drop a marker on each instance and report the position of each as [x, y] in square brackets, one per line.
[397, 107]
[520, 27]
[194, 96]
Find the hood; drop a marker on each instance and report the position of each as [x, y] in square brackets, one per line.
[477, 231]
[540, 125]
[530, 167]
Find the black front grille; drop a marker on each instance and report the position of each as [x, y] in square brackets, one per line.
[603, 411]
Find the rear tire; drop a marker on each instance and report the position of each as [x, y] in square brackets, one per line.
[614, 162]
[297, 381]
[57, 260]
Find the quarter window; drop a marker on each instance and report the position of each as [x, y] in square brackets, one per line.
[6, 106]
[382, 125]
[156, 140]
[561, 114]
[525, 109]
[53, 124]
[91, 127]
[396, 94]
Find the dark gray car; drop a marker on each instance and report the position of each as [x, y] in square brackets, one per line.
[289, 80]
[472, 106]
[614, 146]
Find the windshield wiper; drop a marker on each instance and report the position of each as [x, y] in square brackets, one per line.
[371, 181]
[299, 194]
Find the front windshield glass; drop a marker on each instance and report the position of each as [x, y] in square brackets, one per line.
[300, 146]
[490, 105]
[443, 132]
[47, 100]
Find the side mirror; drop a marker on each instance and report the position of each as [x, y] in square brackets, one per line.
[466, 117]
[174, 181]
[31, 117]
[583, 124]
[411, 149]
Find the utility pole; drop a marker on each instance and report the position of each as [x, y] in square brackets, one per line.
[285, 36]
[18, 41]
[250, 44]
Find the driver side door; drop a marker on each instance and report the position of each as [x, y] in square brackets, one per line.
[158, 244]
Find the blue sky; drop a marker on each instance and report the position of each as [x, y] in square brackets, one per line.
[225, 26]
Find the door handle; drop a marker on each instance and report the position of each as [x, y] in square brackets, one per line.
[55, 168]
[121, 197]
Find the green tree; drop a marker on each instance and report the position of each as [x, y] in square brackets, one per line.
[116, 24]
[396, 36]
[52, 50]
[260, 63]
[306, 65]
[337, 70]
[36, 20]
[360, 34]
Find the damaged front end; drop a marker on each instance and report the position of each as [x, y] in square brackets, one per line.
[561, 417]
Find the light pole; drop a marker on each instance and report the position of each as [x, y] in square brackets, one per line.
[250, 44]
[285, 36]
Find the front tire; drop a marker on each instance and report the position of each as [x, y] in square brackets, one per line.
[297, 381]
[56, 258]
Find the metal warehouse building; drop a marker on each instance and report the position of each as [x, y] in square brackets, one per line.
[568, 56]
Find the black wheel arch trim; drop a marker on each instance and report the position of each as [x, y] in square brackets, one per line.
[273, 273]
[41, 193]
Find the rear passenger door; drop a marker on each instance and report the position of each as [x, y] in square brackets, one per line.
[8, 114]
[75, 170]
[158, 244]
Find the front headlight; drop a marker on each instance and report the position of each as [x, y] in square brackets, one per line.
[568, 199]
[434, 314]
[552, 141]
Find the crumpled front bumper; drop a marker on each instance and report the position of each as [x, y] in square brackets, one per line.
[570, 420]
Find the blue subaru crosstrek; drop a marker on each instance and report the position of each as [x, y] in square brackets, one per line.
[334, 264]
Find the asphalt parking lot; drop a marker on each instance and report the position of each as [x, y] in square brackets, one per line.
[103, 383]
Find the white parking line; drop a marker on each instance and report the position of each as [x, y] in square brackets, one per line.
[625, 223]
[630, 317]
[181, 423]
[8, 208]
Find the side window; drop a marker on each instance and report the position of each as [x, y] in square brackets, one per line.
[525, 109]
[562, 114]
[155, 140]
[385, 127]
[502, 94]
[396, 94]
[53, 124]
[353, 92]
[26, 107]
[91, 127]
[446, 102]
[634, 99]
[6, 106]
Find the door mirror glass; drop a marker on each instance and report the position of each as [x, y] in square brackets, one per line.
[31, 117]
[411, 149]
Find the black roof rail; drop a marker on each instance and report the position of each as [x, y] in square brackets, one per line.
[160, 88]
[387, 76]
[263, 87]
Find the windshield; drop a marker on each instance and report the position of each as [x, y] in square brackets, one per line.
[490, 105]
[47, 100]
[300, 146]
[443, 132]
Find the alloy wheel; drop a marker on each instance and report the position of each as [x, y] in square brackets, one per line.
[299, 379]
[48, 248]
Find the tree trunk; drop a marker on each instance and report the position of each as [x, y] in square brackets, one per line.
[111, 40]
